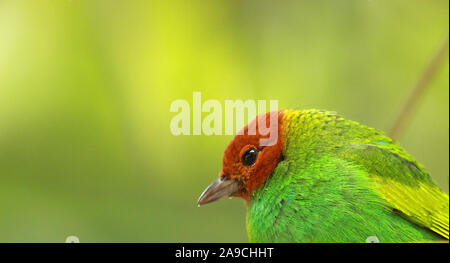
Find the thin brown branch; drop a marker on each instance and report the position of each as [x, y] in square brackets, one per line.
[419, 88]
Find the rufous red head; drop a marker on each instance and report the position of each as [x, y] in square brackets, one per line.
[248, 160]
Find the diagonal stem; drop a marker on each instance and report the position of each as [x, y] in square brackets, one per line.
[419, 88]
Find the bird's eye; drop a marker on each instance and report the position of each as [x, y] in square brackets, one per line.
[249, 157]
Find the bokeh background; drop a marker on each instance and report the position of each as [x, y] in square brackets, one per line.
[85, 90]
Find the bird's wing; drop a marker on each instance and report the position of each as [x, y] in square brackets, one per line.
[403, 183]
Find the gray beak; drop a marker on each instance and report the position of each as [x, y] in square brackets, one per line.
[217, 190]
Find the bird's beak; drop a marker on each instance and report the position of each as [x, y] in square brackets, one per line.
[218, 189]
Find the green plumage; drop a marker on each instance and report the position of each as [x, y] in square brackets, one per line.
[341, 181]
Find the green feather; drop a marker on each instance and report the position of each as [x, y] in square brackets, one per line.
[341, 181]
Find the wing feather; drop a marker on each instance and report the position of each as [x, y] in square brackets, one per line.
[404, 184]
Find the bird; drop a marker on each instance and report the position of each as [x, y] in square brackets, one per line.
[327, 179]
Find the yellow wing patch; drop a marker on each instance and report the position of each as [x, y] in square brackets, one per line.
[425, 205]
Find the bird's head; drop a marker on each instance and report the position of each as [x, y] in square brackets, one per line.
[248, 160]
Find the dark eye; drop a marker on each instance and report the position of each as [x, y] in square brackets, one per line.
[249, 157]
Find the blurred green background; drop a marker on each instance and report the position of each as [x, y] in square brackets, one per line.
[85, 90]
